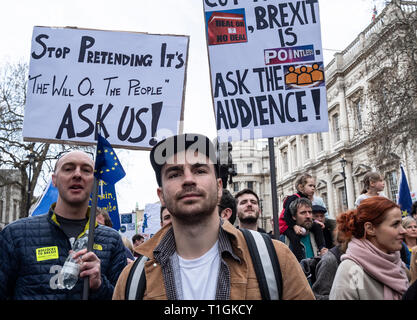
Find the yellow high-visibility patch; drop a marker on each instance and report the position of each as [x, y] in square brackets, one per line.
[47, 253]
[98, 247]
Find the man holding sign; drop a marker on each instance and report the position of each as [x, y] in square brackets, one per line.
[33, 250]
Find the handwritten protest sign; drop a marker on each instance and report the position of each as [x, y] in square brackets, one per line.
[266, 64]
[132, 83]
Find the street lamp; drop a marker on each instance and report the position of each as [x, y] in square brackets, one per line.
[343, 163]
[31, 158]
[262, 213]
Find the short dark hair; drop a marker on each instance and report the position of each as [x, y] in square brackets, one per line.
[160, 212]
[414, 208]
[246, 191]
[293, 207]
[137, 237]
[170, 146]
[228, 201]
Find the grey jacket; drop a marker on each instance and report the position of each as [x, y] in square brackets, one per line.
[325, 273]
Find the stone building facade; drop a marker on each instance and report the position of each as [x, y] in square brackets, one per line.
[10, 198]
[322, 154]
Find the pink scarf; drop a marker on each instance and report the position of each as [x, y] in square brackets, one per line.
[388, 269]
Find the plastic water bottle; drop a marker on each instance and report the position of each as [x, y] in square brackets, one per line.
[71, 269]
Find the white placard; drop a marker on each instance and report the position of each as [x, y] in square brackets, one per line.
[266, 64]
[151, 220]
[132, 83]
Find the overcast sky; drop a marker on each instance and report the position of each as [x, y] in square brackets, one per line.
[341, 22]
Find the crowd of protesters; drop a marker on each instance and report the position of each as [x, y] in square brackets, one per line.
[200, 252]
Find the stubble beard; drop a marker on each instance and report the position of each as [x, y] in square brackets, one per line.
[248, 219]
[192, 212]
[307, 225]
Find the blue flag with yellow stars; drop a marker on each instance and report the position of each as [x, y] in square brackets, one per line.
[107, 167]
[404, 198]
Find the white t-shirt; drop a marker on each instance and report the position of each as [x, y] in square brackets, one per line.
[199, 276]
[363, 196]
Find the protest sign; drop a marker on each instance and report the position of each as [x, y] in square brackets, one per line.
[128, 227]
[267, 71]
[131, 83]
[151, 220]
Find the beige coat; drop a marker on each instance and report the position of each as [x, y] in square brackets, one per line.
[413, 264]
[243, 283]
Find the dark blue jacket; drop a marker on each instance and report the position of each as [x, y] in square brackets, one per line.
[33, 251]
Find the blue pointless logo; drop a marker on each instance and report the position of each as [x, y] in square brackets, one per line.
[289, 55]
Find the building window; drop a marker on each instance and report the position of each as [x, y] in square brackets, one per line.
[249, 167]
[320, 141]
[325, 199]
[336, 127]
[358, 110]
[285, 160]
[306, 148]
[250, 185]
[392, 185]
[235, 186]
[294, 154]
[15, 209]
[342, 199]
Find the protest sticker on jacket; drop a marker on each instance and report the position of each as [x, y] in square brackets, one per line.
[131, 83]
[267, 71]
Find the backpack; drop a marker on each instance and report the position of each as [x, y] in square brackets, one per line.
[309, 265]
[264, 259]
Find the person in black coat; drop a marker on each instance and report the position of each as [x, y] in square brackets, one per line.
[328, 225]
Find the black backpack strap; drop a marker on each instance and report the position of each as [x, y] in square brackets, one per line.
[266, 264]
[136, 280]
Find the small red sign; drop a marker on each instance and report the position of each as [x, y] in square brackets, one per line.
[224, 28]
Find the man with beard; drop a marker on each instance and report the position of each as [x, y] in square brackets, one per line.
[302, 213]
[199, 256]
[33, 250]
[248, 210]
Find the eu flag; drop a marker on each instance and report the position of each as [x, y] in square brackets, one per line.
[107, 200]
[108, 167]
[49, 196]
[404, 198]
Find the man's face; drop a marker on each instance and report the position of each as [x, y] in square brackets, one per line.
[74, 177]
[166, 217]
[189, 190]
[248, 208]
[319, 216]
[138, 242]
[304, 217]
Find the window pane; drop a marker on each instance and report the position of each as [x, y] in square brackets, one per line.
[285, 160]
[320, 141]
[336, 127]
[393, 185]
[235, 186]
[306, 148]
[249, 165]
[359, 114]
[250, 185]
